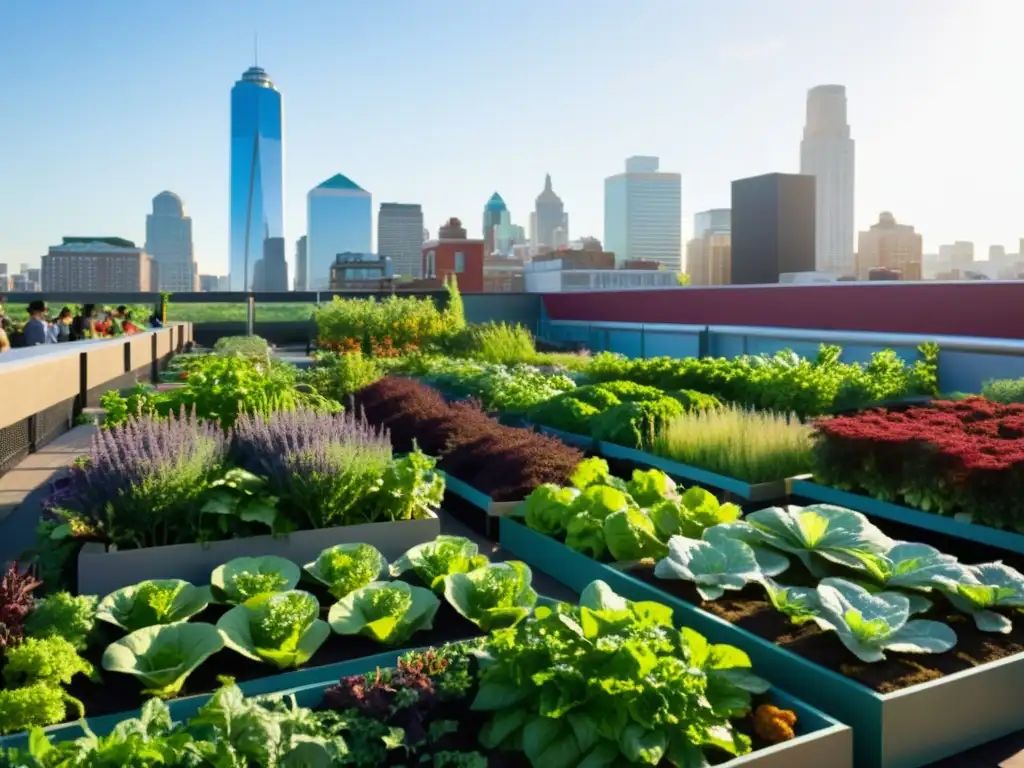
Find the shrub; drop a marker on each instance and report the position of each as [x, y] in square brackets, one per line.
[1004, 390]
[950, 457]
[243, 346]
[753, 446]
[336, 376]
[394, 326]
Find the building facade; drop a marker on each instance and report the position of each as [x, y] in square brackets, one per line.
[209, 283]
[827, 153]
[549, 215]
[354, 271]
[888, 245]
[643, 214]
[772, 227]
[709, 251]
[169, 242]
[257, 173]
[339, 219]
[400, 237]
[273, 267]
[453, 254]
[493, 211]
[99, 265]
[301, 265]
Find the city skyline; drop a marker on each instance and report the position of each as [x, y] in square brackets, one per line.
[913, 110]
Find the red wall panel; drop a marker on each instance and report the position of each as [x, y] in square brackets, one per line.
[969, 308]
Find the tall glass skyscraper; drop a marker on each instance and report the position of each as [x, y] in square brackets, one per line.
[257, 173]
[339, 219]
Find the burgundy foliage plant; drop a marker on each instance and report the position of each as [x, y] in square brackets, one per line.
[16, 600]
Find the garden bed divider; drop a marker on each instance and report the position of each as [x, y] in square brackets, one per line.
[904, 729]
[805, 487]
[583, 442]
[186, 706]
[492, 510]
[748, 492]
[101, 571]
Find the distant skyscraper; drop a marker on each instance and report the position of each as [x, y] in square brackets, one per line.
[400, 237]
[890, 246]
[550, 214]
[98, 264]
[275, 266]
[169, 241]
[827, 153]
[715, 221]
[643, 214]
[257, 172]
[492, 218]
[301, 265]
[709, 253]
[772, 227]
[339, 219]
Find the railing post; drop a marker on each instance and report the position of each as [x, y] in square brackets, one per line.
[250, 318]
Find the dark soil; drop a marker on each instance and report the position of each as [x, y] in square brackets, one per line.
[122, 692]
[750, 609]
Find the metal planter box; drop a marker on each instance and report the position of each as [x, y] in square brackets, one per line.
[101, 571]
[905, 729]
[756, 492]
[583, 442]
[491, 510]
[982, 534]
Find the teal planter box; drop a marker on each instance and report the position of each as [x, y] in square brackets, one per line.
[490, 510]
[187, 706]
[982, 534]
[757, 492]
[583, 442]
[906, 729]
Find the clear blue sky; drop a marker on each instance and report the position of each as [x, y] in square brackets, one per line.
[442, 102]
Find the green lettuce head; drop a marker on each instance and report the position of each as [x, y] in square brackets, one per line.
[495, 596]
[546, 509]
[163, 656]
[434, 560]
[345, 567]
[279, 628]
[152, 602]
[244, 577]
[388, 612]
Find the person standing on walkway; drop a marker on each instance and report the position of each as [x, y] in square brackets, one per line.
[36, 329]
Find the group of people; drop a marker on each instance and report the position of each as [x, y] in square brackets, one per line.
[40, 329]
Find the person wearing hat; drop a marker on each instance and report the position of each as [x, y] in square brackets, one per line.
[36, 329]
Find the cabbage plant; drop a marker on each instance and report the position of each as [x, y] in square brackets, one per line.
[433, 560]
[345, 567]
[832, 533]
[869, 624]
[629, 534]
[163, 656]
[279, 628]
[152, 602]
[691, 513]
[244, 577]
[546, 509]
[712, 567]
[495, 596]
[388, 612]
[980, 588]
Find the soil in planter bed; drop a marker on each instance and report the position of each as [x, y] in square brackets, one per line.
[122, 692]
[466, 513]
[750, 609]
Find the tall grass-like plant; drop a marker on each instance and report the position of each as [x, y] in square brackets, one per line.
[501, 343]
[455, 312]
[753, 446]
[141, 483]
[325, 469]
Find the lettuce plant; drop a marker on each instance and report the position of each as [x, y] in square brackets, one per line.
[800, 604]
[345, 567]
[712, 567]
[869, 624]
[280, 628]
[62, 614]
[163, 656]
[831, 533]
[433, 560]
[546, 509]
[497, 595]
[983, 587]
[388, 612]
[630, 535]
[650, 486]
[691, 513]
[611, 682]
[155, 601]
[585, 526]
[244, 577]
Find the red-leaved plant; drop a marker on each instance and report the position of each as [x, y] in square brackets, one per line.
[16, 600]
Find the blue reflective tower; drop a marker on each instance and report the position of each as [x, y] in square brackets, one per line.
[257, 173]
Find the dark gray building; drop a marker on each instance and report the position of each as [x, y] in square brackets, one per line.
[301, 265]
[400, 237]
[271, 272]
[773, 228]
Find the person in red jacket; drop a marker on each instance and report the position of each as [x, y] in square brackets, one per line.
[127, 324]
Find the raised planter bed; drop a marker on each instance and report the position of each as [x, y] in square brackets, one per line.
[756, 492]
[101, 571]
[906, 728]
[805, 487]
[583, 442]
[477, 501]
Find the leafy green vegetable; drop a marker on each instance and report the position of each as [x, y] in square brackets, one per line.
[163, 656]
[611, 682]
[650, 486]
[594, 471]
[280, 628]
[52, 660]
[800, 604]
[345, 567]
[244, 577]
[388, 612]
[36, 705]
[868, 624]
[546, 509]
[62, 614]
[691, 513]
[630, 535]
[243, 497]
[496, 595]
[156, 601]
[712, 566]
[980, 588]
[433, 560]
